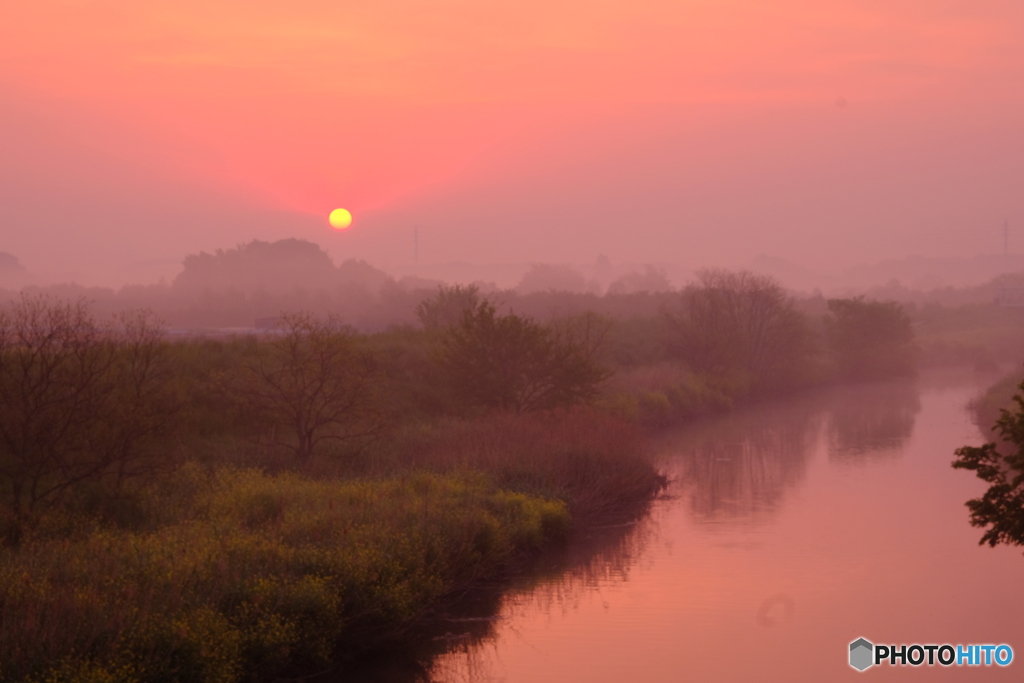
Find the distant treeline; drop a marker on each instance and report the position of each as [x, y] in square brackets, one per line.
[234, 288]
[257, 282]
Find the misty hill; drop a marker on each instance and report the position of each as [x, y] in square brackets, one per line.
[12, 273]
[918, 273]
[275, 268]
[232, 288]
[544, 277]
[985, 293]
[650, 280]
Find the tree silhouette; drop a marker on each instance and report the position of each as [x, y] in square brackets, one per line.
[447, 306]
[79, 402]
[870, 339]
[308, 384]
[739, 324]
[513, 363]
[1001, 508]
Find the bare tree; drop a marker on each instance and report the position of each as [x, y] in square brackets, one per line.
[307, 385]
[144, 405]
[78, 402]
[740, 323]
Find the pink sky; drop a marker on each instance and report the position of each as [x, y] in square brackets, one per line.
[701, 133]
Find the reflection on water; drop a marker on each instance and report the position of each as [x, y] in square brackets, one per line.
[871, 421]
[776, 609]
[466, 630]
[743, 467]
[771, 544]
[605, 557]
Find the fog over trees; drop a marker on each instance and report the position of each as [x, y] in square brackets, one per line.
[232, 288]
[253, 284]
[337, 451]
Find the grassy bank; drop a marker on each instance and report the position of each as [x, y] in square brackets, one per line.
[247, 576]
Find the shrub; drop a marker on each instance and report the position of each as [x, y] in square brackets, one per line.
[870, 339]
[515, 364]
[447, 307]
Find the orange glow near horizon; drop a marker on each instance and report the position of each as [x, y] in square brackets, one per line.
[259, 96]
[692, 132]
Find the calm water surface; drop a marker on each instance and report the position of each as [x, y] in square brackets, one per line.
[793, 530]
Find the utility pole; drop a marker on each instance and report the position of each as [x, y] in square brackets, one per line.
[416, 249]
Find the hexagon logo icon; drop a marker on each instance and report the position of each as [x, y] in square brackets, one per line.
[861, 654]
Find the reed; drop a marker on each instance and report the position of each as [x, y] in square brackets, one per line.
[595, 462]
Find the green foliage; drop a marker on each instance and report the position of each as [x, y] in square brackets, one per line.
[513, 363]
[1001, 508]
[657, 395]
[260, 574]
[870, 339]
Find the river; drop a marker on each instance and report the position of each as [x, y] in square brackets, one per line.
[790, 530]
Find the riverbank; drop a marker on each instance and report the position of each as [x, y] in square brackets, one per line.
[744, 553]
[227, 574]
[247, 576]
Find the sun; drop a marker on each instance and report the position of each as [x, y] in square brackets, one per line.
[340, 219]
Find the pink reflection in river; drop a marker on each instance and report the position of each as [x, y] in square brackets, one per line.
[794, 530]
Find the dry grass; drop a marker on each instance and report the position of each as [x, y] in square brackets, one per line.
[594, 462]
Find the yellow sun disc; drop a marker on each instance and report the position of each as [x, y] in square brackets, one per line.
[340, 219]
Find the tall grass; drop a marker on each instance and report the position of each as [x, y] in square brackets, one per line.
[594, 462]
[247, 576]
[666, 392]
